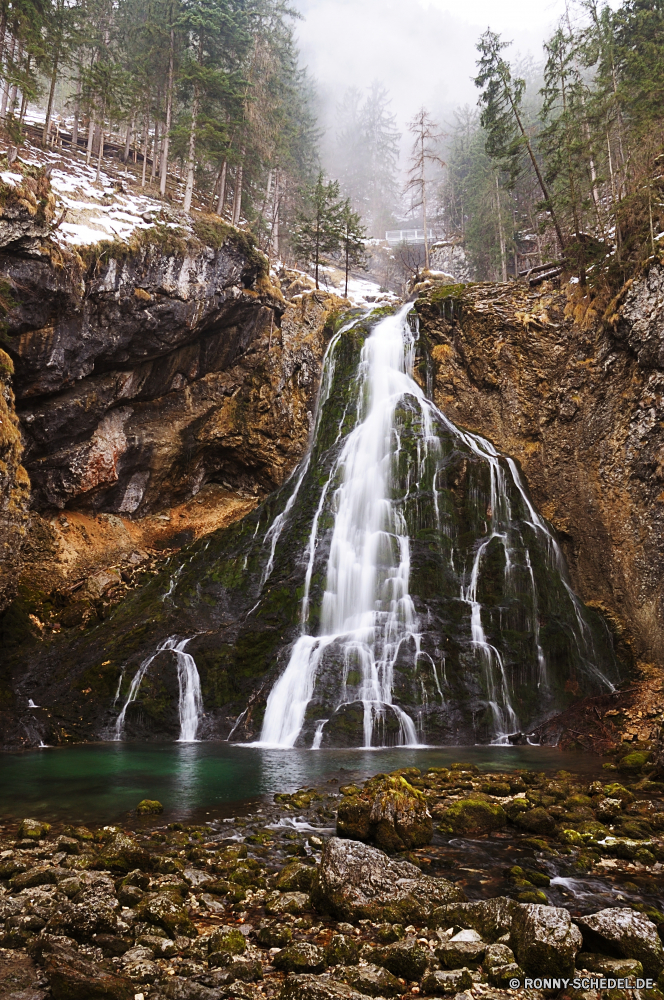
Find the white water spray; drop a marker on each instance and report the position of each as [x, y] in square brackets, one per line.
[190, 701]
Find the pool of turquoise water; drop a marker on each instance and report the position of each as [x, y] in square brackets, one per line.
[102, 782]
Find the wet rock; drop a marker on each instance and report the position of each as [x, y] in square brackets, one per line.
[473, 816]
[447, 982]
[609, 809]
[342, 950]
[112, 945]
[130, 895]
[623, 967]
[389, 812]
[227, 939]
[93, 910]
[149, 807]
[356, 881]
[501, 975]
[231, 968]
[296, 877]
[309, 987]
[274, 935]
[463, 949]
[544, 940]
[72, 977]
[300, 957]
[370, 980]
[142, 971]
[33, 829]
[160, 909]
[286, 902]
[497, 954]
[11, 866]
[387, 933]
[624, 933]
[122, 854]
[68, 844]
[491, 918]
[39, 875]
[536, 820]
[179, 988]
[406, 958]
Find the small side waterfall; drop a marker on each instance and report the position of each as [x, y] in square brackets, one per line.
[190, 700]
[390, 481]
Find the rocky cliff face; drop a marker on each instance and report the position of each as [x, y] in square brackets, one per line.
[580, 405]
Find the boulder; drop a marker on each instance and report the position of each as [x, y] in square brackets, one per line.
[317, 988]
[39, 875]
[371, 980]
[274, 935]
[544, 940]
[389, 812]
[122, 854]
[73, 977]
[406, 958]
[163, 911]
[536, 820]
[92, 910]
[342, 950]
[149, 807]
[624, 933]
[622, 967]
[227, 939]
[448, 981]
[33, 829]
[473, 816]
[491, 918]
[286, 902]
[300, 957]
[296, 877]
[463, 949]
[355, 881]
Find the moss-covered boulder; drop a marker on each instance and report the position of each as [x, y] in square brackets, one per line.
[342, 950]
[228, 940]
[166, 912]
[537, 820]
[389, 812]
[370, 980]
[33, 829]
[634, 761]
[122, 854]
[407, 958]
[300, 957]
[296, 877]
[149, 807]
[273, 934]
[447, 982]
[473, 816]
[356, 881]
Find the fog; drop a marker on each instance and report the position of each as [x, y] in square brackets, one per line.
[423, 51]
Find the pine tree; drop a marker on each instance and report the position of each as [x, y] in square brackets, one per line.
[352, 235]
[318, 229]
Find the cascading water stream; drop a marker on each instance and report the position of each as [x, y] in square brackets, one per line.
[190, 701]
[367, 623]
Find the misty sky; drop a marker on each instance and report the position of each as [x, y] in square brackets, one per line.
[422, 50]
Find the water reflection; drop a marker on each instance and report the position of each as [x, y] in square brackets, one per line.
[100, 782]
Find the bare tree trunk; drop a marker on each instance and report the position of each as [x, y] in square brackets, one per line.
[101, 143]
[77, 108]
[146, 139]
[5, 92]
[191, 158]
[237, 193]
[130, 129]
[13, 92]
[501, 234]
[3, 31]
[51, 95]
[91, 133]
[169, 111]
[154, 150]
[222, 189]
[275, 213]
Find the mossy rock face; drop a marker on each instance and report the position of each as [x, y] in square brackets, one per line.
[635, 761]
[473, 816]
[149, 807]
[388, 812]
[227, 940]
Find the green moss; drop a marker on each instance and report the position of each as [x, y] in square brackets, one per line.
[473, 816]
[635, 761]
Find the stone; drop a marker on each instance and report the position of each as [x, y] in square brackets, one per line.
[624, 933]
[447, 981]
[497, 954]
[296, 877]
[544, 940]
[122, 853]
[286, 902]
[623, 967]
[227, 939]
[500, 975]
[406, 958]
[473, 816]
[149, 807]
[389, 812]
[356, 881]
[491, 918]
[93, 910]
[370, 980]
[142, 971]
[39, 875]
[387, 933]
[536, 820]
[33, 829]
[300, 957]
[72, 977]
[309, 987]
[274, 935]
[342, 950]
[463, 949]
[162, 910]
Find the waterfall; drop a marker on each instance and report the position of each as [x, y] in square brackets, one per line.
[386, 480]
[190, 701]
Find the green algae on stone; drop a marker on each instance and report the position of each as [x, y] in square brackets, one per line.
[473, 816]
